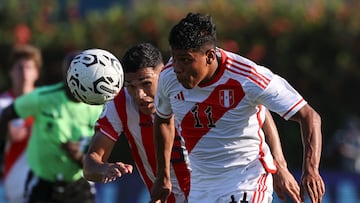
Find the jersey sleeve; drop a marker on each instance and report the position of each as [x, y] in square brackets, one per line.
[27, 104]
[280, 97]
[5, 100]
[162, 101]
[109, 122]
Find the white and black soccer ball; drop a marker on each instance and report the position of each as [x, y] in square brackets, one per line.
[95, 76]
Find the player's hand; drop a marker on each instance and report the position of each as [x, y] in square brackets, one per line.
[116, 170]
[73, 151]
[17, 130]
[160, 191]
[285, 183]
[313, 185]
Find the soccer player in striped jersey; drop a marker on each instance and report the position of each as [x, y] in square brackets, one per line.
[216, 100]
[132, 112]
[25, 67]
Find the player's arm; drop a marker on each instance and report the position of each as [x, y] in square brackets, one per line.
[96, 168]
[6, 115]
[284, 181]
[311, 181]
[73, 150]
[164, 134]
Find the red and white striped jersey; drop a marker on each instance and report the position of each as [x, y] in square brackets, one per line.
[15, 165]
[123, 115]
[221, 121]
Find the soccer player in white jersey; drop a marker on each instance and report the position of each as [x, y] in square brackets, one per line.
[132, 112]
[217, 100]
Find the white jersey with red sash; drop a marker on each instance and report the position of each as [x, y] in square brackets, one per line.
[122, 115]
[221, 122]
[15, 164]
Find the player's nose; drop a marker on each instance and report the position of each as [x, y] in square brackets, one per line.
[140, 93]
[177, 67]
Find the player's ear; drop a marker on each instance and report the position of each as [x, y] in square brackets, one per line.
[208, 60]
[210, 56]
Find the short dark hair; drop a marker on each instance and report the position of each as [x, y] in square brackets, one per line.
[193, 32]
[69, 56]
[26, 52]
[140, 56]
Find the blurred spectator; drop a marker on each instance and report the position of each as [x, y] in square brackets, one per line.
[22, 34]
[25, 64]
[54, 152]
[347, 143]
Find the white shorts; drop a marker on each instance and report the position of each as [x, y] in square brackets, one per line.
[242, 194]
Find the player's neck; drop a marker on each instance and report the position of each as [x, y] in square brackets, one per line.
[218, 58]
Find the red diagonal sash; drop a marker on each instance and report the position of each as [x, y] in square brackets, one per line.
[203, 116]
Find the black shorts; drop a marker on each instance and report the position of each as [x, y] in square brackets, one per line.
[38, 190]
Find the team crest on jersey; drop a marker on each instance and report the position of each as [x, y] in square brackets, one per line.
[226, 97]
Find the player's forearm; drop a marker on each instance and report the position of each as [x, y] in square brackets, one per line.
[73, 151]
[79, 159]
[164, 137]
[273, 139]
[312, 145]
[93, 168]
[279, 159]
[276, 150]
[312, 139]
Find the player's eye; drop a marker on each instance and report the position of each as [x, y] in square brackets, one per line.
[185, 60]
[147, 84]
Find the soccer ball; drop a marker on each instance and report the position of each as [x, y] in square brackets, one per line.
[95, 76]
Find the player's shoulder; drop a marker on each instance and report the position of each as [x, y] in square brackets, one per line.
[247, 72]
[123, 101]
[46, 94]
[237, 59]
[120, 99]
[167, 73]
[50, 89]
[168, 67]
[86, 110]
[245, 65]
[96, 109]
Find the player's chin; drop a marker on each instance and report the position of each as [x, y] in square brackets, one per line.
[186, 84]
[148, 109]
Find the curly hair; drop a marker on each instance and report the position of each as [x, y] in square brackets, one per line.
[193, 32]
[140, 56]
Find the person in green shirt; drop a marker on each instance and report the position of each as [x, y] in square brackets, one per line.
[54, 152]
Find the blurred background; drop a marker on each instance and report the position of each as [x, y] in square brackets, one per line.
[314, 44]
